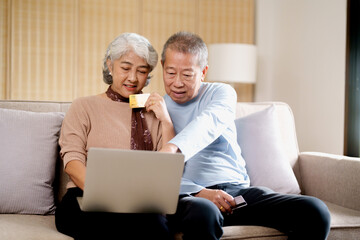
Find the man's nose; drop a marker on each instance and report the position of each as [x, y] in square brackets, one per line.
[178, 82]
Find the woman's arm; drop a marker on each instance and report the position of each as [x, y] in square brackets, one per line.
[73, 138]
[76, 171]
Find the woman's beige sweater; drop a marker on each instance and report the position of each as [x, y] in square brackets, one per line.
[96, 121]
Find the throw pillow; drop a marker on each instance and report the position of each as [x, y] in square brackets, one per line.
[258, 135]
[28, 154]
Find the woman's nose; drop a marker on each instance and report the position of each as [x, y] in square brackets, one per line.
[132, 76]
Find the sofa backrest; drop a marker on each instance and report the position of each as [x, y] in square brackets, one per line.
[284, 113]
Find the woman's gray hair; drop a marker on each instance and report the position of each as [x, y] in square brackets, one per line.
[124, 43]
[187, 42]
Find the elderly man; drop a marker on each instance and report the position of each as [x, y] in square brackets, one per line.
[203, 117]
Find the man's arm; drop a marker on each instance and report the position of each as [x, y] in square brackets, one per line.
[209, 124]
[169, 148]
[221, 199]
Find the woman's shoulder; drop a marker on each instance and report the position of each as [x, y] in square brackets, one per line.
[87, 100]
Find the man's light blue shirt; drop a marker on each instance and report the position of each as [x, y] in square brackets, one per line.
[206, 135]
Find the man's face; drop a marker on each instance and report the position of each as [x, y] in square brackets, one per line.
[182, 75]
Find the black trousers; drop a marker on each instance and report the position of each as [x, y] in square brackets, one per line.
[70, 220]
[300, 217]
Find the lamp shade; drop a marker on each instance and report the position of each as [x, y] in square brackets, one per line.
[232, 62]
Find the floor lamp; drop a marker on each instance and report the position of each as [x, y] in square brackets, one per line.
[235, 64]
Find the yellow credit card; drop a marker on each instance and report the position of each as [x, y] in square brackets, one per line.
[138, 100]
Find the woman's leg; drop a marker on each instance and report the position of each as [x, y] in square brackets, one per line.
[70, 220]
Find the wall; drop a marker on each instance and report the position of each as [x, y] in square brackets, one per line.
[3, 47]
[301, 46]
[53, 50]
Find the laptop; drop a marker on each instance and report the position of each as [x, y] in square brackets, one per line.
[132, 181]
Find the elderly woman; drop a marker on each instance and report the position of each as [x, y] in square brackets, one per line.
[106, 120]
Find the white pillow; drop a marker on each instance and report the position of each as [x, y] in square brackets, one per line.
[258, 135]
[28, 154]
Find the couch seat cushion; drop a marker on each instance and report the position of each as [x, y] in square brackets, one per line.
[251, 232]
[345, 222]
[29, 227]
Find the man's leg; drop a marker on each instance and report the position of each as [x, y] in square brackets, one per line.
[197, 218]
[300, 217]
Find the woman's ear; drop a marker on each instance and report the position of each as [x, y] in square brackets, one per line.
[109, 65]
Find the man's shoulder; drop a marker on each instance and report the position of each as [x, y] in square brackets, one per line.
[218, 85]
[218, 88]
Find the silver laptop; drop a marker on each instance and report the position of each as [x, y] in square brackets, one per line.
[129, 181]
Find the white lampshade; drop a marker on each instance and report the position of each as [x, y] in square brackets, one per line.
[232, 62]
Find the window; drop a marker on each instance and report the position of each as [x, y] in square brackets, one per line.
[352, 101]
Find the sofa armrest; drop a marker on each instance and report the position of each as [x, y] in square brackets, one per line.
[332, 178]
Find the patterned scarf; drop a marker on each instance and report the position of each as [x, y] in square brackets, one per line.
[140, 134]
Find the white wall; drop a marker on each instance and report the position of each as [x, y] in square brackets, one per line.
[301, 48]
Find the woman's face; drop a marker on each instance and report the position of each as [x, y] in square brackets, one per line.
[129, 74]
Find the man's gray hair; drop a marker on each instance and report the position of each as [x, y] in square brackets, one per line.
[187, 42]
[124, 43]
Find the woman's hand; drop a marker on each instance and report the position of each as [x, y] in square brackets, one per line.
[221, 199]
[156, 103]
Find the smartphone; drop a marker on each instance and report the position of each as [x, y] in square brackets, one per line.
[240, 202]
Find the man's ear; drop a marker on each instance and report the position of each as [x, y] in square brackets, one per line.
[203, 73]
[109, 65]
[162, 63]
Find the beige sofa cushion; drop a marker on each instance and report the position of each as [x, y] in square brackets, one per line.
[258, 135]
[29, 150]
[29, 227]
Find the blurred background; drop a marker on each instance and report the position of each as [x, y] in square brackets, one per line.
[53, 50]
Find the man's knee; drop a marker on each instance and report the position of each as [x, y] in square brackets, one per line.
[202, 218]
[319, 212]
[317, 217]
[203, 210]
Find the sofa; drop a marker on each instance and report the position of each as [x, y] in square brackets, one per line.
[266, 131]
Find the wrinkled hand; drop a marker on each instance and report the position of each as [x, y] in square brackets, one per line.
[221, 199]
[156, 103]
[169, 148]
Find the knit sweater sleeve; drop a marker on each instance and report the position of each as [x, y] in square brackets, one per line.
[73, 134]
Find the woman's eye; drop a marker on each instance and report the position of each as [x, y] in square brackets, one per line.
[126, 69]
